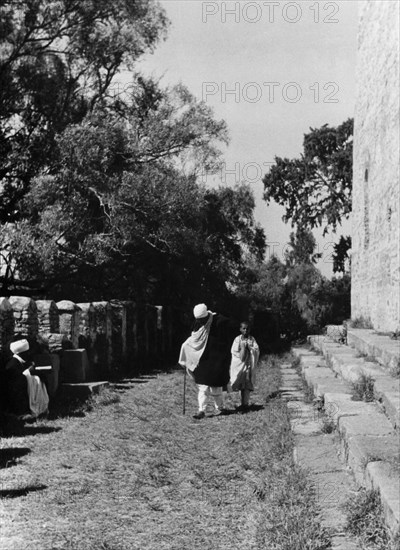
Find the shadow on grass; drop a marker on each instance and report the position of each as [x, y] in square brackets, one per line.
[273, 395]
[9, 457]
[33, 430]
[14, 426]
[21, 492]
[249, 409]
[63, 406]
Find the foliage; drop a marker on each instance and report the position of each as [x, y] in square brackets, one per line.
[302, 248]
[296, 291]
[341, 254]
[98, 189]
[315, 189]
[118, 215]
[57, 63]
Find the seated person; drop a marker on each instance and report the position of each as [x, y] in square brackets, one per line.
[25, 393]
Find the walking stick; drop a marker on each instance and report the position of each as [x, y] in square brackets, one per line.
[184, 391]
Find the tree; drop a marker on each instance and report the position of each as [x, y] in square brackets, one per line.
[58, 62]
[316, 188]
[296, 291]
[99, 192]
[302, 248]
[119, 216]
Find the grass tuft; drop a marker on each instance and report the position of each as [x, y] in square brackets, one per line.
[361, 322]
[363, 389]
[395, 371]
[365, 520]
[328, 425]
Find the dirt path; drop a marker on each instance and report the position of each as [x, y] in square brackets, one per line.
[134, 473]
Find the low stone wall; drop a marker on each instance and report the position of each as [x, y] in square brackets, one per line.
[111, 338]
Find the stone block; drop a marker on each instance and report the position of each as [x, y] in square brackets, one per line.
[349, 371]
[323, 387]
[6, 325]
[385, 350]
[314, 374]
[69, 320]
[82, 390]
[338, 405]
[316, 340]
[363, 449]
[390, 401]
[58, 342]
[52, 377]
[374, 370]
[87, 333]
[74, 365]
[25, 315]
[375, 424]
[315, 361]
[384, 477]
[48, 316]
[102, 348]
[336, 332]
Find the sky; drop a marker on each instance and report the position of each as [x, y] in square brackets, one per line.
[272, 70]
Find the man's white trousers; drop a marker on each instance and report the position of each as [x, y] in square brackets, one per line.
[206, 391]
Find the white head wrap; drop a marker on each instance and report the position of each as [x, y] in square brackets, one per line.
[19, 346]
[200, 311]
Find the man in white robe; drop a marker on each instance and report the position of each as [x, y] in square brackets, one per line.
[205, 355]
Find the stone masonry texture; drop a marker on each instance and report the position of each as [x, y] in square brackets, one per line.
[6, 324]
[70, 315]
[25, 315]
[48, 316]
[116, 336]
[376, 188]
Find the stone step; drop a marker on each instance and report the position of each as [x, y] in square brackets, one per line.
[317, 453]
[347, 364]
[369, 343]
[337, 333]
[82, 390]
[369, 440]
[384, 477]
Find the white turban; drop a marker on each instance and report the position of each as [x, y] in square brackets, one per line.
[200, 311]
[19, 346]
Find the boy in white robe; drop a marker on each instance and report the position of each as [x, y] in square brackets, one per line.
[245, 353]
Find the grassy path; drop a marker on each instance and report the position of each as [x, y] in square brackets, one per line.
[134, 473]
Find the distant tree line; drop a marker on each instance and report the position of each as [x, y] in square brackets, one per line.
[300, 299]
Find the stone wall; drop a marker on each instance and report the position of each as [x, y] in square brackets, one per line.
[93, 341]
[7, 325]
[375, 264]
[48, 316]
[25, 315]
